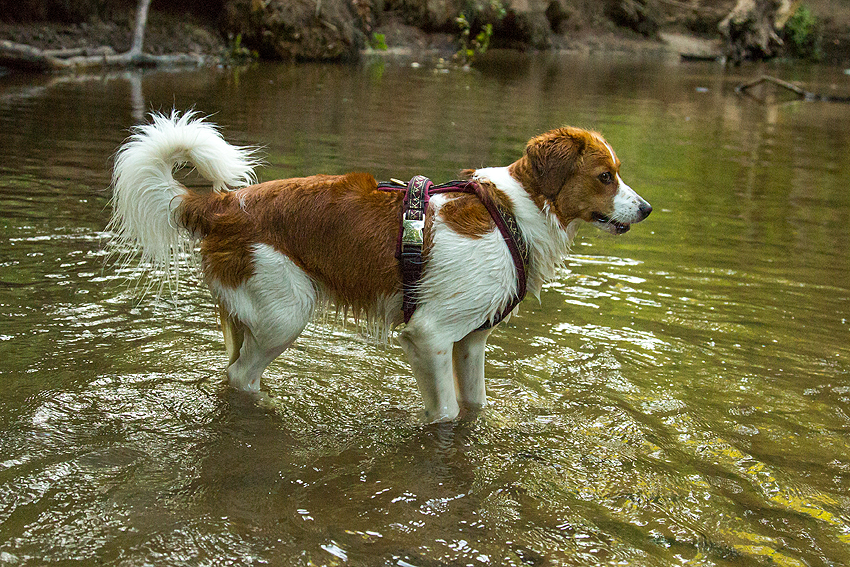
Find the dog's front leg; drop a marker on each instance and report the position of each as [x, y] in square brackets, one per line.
[430, 357]
[468, 360]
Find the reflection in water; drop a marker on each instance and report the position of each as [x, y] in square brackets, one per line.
[680, 395]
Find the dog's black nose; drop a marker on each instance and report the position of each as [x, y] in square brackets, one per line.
[644, 209]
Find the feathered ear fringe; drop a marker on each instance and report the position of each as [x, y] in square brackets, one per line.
[146, 196]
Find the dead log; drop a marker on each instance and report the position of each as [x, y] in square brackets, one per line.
[29, 58]
[79, 51]
[803, 94]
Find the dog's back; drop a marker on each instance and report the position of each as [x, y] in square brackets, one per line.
[339, 229]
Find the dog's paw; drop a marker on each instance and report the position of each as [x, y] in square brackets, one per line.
[443, 415]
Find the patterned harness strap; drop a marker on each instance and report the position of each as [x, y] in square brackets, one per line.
[409, 249]
[418, 192]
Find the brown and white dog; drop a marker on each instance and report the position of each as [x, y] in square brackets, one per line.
[272, 251]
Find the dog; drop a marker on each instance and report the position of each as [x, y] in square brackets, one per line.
[271, 252]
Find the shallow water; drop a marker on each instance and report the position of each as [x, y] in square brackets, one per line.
[680, 396]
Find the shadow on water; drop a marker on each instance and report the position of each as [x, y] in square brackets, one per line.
[679, 396]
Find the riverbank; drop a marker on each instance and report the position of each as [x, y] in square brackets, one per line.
[676, 29]
[168, 34]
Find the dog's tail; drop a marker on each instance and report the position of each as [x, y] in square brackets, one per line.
[146, 195]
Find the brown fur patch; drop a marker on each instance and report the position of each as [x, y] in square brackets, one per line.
[338, 229]
[227, 235]
[428, 232]
[466, 215]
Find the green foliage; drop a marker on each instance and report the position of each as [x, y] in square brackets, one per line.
[237, 54]
[803, 34]
[476, 12]
[378, 42]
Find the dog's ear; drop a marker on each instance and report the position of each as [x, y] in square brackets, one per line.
[554, 157]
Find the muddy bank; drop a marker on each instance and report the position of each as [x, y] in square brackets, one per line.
[343, 29]
[166, 33]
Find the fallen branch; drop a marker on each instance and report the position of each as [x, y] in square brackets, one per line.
[803, 94]
[683, 5]
[78, 51]
[28, 58]
[806, 95]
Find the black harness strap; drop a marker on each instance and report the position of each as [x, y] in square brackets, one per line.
[409, 249]
[410, 242]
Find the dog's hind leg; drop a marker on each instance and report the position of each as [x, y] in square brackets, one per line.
[263, 343]
[254, 357]
[234, 334]
[468, 361]
[264, 315]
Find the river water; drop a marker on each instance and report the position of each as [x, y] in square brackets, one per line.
[681, 395]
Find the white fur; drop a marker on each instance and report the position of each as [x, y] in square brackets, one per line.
[274, 305]
[549, 242]
[611, 151]
[470, 278]
[467, 281]
[627, 204]
[145, 191]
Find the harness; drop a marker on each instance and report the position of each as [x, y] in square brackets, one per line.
[418, 192]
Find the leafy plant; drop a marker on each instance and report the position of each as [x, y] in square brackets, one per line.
[803, 34]
[378, 42]
[469, 46]
[238, 54]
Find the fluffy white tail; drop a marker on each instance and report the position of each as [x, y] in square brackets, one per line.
[146, 195]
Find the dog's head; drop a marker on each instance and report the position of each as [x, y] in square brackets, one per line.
[577, 172]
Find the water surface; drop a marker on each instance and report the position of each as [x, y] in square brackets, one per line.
[680, 396]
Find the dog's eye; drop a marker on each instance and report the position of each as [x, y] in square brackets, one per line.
[605, 177]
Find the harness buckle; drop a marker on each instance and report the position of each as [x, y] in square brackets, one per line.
[412, 231]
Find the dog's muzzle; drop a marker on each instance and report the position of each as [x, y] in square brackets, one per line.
[629, 208]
